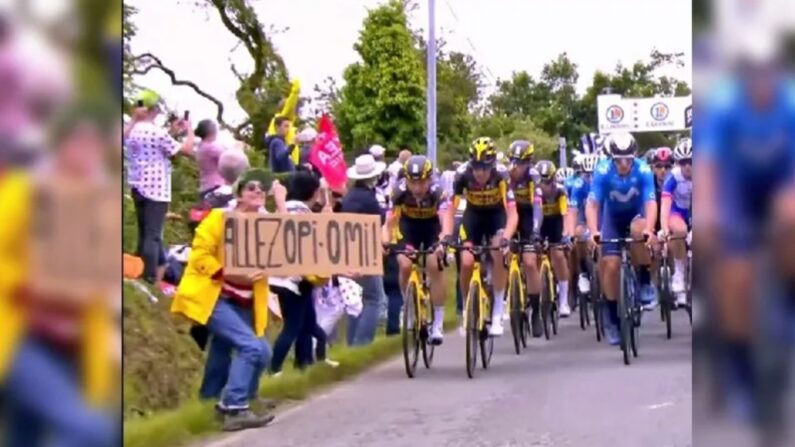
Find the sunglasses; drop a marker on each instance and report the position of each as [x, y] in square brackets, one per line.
[687, 162]
[253, 187]
[662, 166]
[623, 161]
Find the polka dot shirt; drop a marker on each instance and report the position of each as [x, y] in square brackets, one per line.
[149, 149]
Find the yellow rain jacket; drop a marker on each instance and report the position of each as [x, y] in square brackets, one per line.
[290, 110]
[16, 193]
[198, 292]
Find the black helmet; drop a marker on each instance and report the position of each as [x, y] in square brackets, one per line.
[621, 145]
[418, 167]
[546, 169]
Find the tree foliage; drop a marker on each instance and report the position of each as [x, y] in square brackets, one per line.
[382, 100]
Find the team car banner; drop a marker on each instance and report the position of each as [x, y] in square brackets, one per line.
[670, 114]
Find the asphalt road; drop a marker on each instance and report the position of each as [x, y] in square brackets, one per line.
[570, 391]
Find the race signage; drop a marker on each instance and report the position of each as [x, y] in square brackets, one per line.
[300, 244]
[75, 235]
[669, 114]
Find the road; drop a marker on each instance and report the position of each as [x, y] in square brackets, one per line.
[570, 391]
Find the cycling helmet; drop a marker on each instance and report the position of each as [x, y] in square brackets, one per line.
[482, 151]
[418, 167]
[684, 150]
[662, 155]
[576, 164]
[588, 162]
[649, 156]
[563, 174]
[621, 145]
[546, 169]
[521, 150]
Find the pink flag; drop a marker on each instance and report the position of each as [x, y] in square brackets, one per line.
[327, 156]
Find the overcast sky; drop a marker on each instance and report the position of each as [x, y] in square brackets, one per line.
[503, 35]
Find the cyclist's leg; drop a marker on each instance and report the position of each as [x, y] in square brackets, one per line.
[581, 254]
[678, 250]
[437, 281]
[641, 259]
[613, 226]
[499, 273]
[466, 235]
[533, 282]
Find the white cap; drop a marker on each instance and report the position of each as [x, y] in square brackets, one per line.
[377, 151]
[306, 135]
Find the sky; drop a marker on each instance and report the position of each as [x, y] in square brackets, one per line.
[504, 36]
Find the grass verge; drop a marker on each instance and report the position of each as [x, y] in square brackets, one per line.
[194, 419]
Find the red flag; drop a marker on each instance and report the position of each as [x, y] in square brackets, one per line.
[327, 156]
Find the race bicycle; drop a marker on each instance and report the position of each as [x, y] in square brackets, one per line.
[549, 291]
[417, 308]
[629, 307]
[667, 298]
[517, 295]
[477, 308]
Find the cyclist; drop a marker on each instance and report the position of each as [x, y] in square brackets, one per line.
[675, 210]
[490, 212]
[662, 161]
[576, 214]
[524, 183]
[554, 228]
[419, 205]
[623, 190]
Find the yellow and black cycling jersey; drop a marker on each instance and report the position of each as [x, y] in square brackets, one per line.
[404, 205]
[494, 194]
[554, 200]
[524, 189]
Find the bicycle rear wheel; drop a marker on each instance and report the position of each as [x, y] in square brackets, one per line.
[625, 317]
[546, 298]
[427, 346]
[516, 311]
[411, 330]
[472, 327]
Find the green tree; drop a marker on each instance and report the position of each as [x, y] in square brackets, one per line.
[383, 99]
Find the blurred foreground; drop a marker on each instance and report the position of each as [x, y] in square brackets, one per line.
[60, 340]
[745, 137]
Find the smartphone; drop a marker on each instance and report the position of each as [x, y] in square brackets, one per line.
[187, 115]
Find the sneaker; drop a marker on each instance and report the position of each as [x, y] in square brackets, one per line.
[535, 323]
[681, 299]
[244, 419]
[496, 329]
[678, 282]
[563, 308]
[331, 363]
[648, 297]
[437, 337]
[612, 334]
[584, 284]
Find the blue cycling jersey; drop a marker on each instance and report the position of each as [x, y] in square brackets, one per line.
[579, 195]
[569, 184]
[755, 148]
[680, 190]
[622, 194]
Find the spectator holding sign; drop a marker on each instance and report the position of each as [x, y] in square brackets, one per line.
[361, 199]
[233, 308]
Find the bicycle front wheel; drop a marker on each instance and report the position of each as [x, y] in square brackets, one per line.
[625, 316]
[486, 340]
[411, 330]
[427, 346]
[472, 328]
[516, 310]
[546, 298]
[666, 298]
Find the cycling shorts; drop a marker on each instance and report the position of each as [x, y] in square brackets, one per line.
[525, 223]
[418, 233]
[479, 225]
[552, 229]
[616, 226]
[683, 214]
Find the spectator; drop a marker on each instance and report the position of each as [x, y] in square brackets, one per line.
[361, 199]
[382, 184]
[306, 139]
[149, 151]
[234, 309]
[397, 165]
[278, 152]
[296, 299]
[207, 156]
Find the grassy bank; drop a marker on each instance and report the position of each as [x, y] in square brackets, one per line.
[194, 419]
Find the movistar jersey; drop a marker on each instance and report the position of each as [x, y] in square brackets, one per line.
[579, 195]
[622, 194]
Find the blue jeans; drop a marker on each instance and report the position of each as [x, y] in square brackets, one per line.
[295, 310]
[216, 370]
[150, 216]
[361, 329]
[232, 327]
[45, 404]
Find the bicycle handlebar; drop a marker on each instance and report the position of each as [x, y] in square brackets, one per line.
[416, 255]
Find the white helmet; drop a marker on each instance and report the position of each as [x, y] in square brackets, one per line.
[588, 162]
[684, 149]
[621, 145]
[563, 174]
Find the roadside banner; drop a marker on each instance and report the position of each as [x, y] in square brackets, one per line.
[661, 114]
[321, 244]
